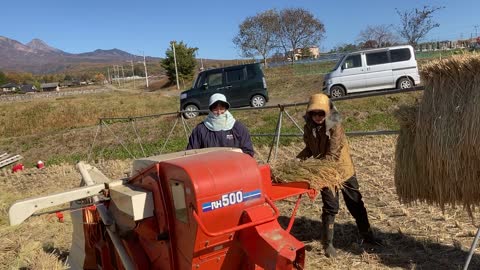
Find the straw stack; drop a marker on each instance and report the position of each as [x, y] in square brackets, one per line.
[438, 150]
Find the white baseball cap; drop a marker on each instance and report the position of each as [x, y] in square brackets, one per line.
[218, 97]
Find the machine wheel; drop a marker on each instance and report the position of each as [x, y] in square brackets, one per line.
[337, 91]
[404, 83]
[258, 101]
[190, 107]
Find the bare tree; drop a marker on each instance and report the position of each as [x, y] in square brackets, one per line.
[298, 29]
[377, 36]
[416, 23]
[256, 35]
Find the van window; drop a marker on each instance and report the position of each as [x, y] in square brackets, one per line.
[200, 80]
[235, 75]
[251, 72]
[353, 61]
[377, 58]
[214, 79]
[400, 55]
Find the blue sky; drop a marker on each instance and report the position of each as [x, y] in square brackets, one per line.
[137, 26]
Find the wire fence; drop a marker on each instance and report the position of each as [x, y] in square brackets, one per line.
[129, 135]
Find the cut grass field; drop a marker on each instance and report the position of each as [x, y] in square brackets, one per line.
[413, 237]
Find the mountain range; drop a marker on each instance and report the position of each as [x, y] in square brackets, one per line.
[38, 57]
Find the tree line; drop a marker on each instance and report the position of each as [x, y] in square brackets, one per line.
[29, 78]
[296, 28]
[291, 29]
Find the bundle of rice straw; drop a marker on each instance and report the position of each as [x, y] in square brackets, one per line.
[319, 173]
[438, 151]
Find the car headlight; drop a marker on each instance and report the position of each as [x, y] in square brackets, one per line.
[183, 96]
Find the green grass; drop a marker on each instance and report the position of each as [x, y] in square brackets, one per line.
[313, 68]
[440, 54]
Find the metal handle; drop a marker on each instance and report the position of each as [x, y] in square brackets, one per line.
[220, 88]
[239, 227]
[228, 87]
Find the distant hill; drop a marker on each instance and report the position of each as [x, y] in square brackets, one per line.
[38, 57]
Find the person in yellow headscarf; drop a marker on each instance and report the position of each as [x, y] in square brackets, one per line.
[325, 138]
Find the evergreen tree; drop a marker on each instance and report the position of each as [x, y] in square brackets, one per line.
[185, 62]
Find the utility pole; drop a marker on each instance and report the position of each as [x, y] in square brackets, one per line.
[201, 61]
[116, 74]
[123, 77]
[175, 60]
[476, 30]
[145, 65]
[113, 74]
[133, 74]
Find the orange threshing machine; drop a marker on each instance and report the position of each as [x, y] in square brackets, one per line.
[198, 209]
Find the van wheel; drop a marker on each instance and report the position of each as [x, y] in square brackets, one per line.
[404, 83]
[337, 91]
[190, 107]
[257, 101]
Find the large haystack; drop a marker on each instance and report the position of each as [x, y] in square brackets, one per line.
[438, 150]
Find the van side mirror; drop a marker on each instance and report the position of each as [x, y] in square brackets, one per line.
[205, 86]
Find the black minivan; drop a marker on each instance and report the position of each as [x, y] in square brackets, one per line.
[243, 85]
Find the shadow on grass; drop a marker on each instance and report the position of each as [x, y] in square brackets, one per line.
[397, 249]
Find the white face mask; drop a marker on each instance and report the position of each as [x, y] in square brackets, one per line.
[220, 122]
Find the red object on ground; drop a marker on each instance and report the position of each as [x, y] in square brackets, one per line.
[59, 216]
[40, 164]
[18, 167]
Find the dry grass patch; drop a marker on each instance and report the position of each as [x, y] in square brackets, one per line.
[47, 115]
[415, 237]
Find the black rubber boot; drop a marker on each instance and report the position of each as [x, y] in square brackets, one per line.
[369, 238]
[327, 236]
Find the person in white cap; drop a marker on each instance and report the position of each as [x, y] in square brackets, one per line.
[220, 129]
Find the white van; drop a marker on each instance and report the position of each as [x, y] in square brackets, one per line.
[383, 68]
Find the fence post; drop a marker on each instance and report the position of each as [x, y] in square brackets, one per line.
[118, 139]
[294, 122]
[187, 133]
[472, 250]
[170, 134]
[90, 153]
[138, 136]
[276, 139]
